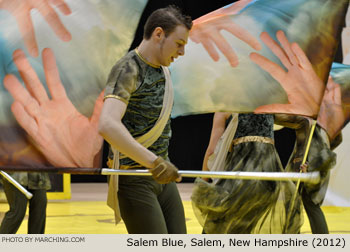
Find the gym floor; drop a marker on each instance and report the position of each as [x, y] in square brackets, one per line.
[87, 213]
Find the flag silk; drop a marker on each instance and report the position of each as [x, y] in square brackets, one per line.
[87, 37]
[340, 73]
[205, 79]
[335, 108]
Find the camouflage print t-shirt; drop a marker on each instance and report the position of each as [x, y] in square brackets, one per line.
[141, 86]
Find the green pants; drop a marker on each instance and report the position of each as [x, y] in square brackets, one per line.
[18, 206]
[315, 215]
[150, 208]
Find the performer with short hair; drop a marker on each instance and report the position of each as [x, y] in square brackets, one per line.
[135, 121]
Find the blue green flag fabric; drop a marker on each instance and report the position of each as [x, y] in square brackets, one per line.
[203, 85]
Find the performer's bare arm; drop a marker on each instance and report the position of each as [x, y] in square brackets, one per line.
[217, 130]
[115, 133]
[113, 130]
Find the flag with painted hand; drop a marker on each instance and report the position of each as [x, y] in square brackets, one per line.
[62, 83]
[264, 56]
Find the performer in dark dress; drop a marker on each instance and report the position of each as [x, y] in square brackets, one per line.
[246, 206]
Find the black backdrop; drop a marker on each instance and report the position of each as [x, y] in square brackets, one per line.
[190, 134]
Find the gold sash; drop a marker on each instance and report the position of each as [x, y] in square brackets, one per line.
[146, 140]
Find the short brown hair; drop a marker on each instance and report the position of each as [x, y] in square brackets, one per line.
[166, 18]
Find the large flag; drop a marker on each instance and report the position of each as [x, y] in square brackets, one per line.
[207, 79]
[87, 37]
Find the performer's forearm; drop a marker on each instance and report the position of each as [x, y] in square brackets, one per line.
[119, 138]
[217, 130]
[116, 134]
[205, 161]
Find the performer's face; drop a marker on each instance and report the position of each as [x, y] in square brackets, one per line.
[173, 45]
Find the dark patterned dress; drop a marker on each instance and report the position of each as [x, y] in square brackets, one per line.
[320, 158]
[248, 206]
